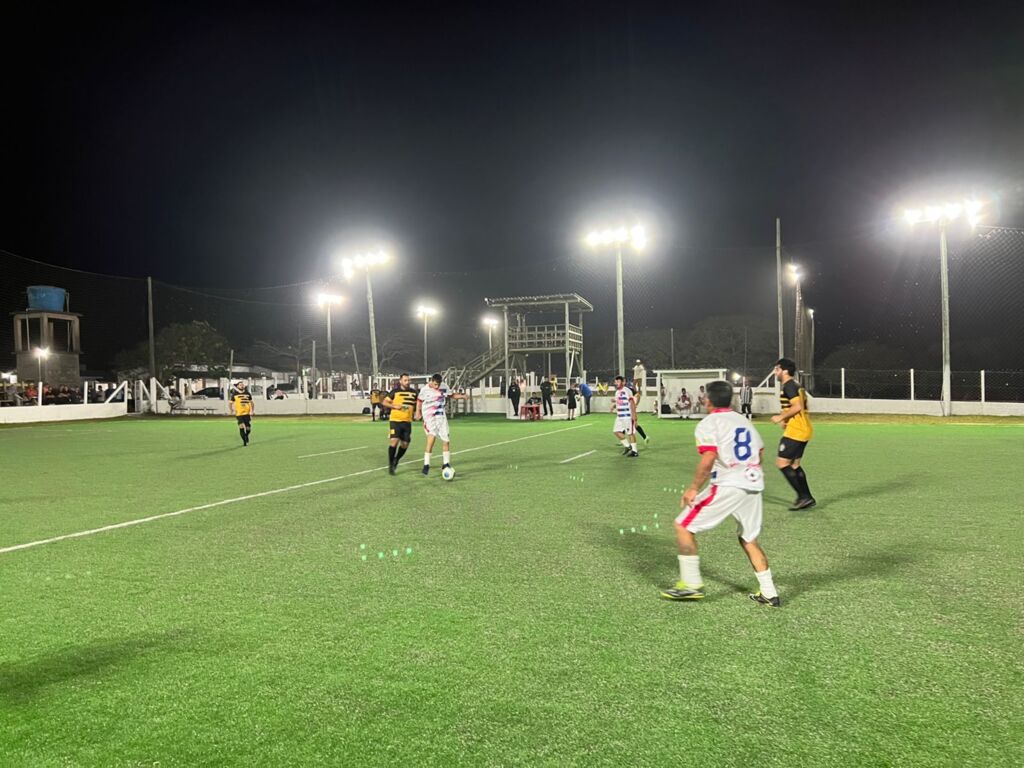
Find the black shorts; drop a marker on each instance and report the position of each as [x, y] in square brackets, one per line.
[791, 449]
[402, 430]
[246, 420]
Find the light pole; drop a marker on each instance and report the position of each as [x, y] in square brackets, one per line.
[943, 215]
[366, 261]
[798, 316]
[42, 353]
[329, 300]
[810, 357]
[491, 323]
[426, 313]
[617, 237]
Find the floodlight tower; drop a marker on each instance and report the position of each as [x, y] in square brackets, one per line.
[329, 300]
[636, 238]
[426, 313]
[798, 317]
[942, 216]
[366, 261]
[491, 322]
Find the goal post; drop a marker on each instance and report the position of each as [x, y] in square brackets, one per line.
[671, 385]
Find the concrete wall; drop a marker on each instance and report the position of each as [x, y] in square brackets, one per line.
[29, 414]
[913, 407]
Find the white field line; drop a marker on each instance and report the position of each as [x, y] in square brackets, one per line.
[224, 502]
[566, 461]
[328, 453]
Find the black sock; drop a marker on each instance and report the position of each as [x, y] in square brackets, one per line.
[245, 438]
[793, 480]
[400, 453]
[391, 453]
[640, 431]
[801, 477]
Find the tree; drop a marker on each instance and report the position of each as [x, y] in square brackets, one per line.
[178, 347]
[738, 342]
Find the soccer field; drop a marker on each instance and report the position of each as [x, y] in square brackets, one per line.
[326, 613]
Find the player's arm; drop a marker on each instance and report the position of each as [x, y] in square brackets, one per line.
[632, 409]
[700, 476]
[796, 404]
[387, 402]
[231, 406]
[419, 409]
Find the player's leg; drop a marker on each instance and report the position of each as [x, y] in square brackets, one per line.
[709, 509]
[748, 509]
[446, 454]
[807, 499]
[767, 594]
[640, 431]
[392, 448]
[241, 430]
[691, 584]
[427, 452]
[788, 462]
[620, 435]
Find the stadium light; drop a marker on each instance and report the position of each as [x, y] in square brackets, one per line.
[797, 276]
[329, 300]
[366, 262]
[618, 237]
[943, 215]
[426, 313]
[42, 353]
[491, 322]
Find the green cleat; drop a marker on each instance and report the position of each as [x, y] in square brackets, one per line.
[682, 592]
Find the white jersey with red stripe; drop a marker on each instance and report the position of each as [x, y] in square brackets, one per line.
[737, 447]
[432, 401]
[623, 397]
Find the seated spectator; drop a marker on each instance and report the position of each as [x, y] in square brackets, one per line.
[684, 404]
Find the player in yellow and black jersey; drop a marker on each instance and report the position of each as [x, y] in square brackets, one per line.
[402, 402]
[242, 408]
[796, 418]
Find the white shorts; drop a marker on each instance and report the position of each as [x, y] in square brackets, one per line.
[717, 502]
[624, 424]
[437, 426]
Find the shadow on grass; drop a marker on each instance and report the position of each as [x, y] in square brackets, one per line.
[870, 489]
[850, 570]
[21, 681]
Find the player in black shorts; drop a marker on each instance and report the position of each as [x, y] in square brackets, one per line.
[402, 402]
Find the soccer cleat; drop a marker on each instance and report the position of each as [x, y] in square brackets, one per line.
[774, 602]
[391, 468]
[626, 451]
[803, 504]
[682, 592]
[426, 469]
[445, 466]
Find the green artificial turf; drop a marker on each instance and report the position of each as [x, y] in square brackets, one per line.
[523, 628]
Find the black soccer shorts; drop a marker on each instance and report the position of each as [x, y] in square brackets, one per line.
[791, 449]
[401, 430]
[244, 421]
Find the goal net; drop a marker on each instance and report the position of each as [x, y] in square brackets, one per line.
[679, 391]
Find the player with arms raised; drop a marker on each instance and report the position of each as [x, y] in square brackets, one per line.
[624, 405]
[796, 419]
[430, 407]
[730, 456]
[401, 400]
[242, 409]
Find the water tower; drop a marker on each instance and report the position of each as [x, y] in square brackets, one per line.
[47, 324]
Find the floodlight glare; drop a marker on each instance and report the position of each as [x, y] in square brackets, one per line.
[425, 311]
[946, 212]
[328, 298]
[42, 352]
[489, 321]
[913, 215]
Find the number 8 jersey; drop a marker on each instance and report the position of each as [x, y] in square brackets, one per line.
[737, 447]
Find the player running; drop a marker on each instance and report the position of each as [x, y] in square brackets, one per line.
[730, 455]
[796, 419]
[242, 409]
[430, 406]
[637, 391]
[624, 405]
[401, 400]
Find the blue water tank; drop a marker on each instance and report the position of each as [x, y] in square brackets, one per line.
[46, 297]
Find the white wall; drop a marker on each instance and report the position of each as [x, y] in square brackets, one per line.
[28, 414]
[913, 407]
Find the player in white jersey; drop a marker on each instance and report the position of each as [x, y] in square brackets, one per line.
[430, 404]
[730, 456]
[624, 407]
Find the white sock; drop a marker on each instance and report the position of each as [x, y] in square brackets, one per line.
[689, 571]
[625, 443]
[764, 579]
[426, 459]
[446, 457]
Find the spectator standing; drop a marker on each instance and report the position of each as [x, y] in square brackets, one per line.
[570, 402]
[514, 393]
[545, 393]
[746, 399]
[587, 393]
[639, 377]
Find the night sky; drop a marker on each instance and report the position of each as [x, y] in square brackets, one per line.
[246, 145]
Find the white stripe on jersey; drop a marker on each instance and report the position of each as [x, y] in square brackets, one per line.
[737, 448]
[622, 399]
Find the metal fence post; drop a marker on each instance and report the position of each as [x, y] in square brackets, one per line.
[911, 383]
[983, 385]
[842, 383]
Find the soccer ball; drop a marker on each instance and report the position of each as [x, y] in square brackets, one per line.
[448, 473]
